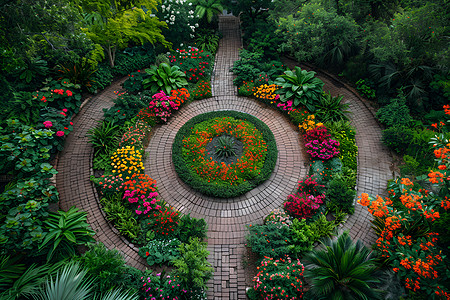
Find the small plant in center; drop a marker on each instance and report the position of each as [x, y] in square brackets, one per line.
[226, 147]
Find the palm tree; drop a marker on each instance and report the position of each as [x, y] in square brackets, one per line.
[208, 9]
[343, 270]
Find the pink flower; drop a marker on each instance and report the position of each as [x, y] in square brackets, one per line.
[65, 110]
[60, 133]
[63, 113]
[48, 124]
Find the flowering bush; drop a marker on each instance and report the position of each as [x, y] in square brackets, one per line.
[271, 240]
[310, 186]
[109, 184]
[164, 222]
[309, 124]
[279, 279]
[180, 96]
[162, 106]
[266, 92]
[202, 90]
[142, 193]
[404, 236]
[135, 135]
[325, 150]
[303, 205]
[126, 161]
[59, 95]
[146, 116]
[180, 18]
[157, 287]
[319, 133]
[195, 63]
[278, 217]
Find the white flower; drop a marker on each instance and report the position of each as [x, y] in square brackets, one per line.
[172, 18]
[196, 24]
[192, 36]
[190, 3]
[171, 23]
[178, 12]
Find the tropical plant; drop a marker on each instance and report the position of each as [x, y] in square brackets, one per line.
[67, 230]
[340, 196]
[208, 9]
[343, 270]
[10, 270]
[73, 282]
[301, 87]
[78, 73]
[191, 227]
[164, 78]
[225, 146]
[331, 108]
[104, 137]
[32, 68]
[25, 108]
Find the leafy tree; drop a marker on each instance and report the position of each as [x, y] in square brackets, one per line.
[113, 24]
[251, 9]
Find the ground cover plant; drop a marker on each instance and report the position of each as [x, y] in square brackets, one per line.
[219, 178]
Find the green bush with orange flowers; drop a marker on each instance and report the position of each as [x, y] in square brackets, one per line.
[198, 169]
[403, 223]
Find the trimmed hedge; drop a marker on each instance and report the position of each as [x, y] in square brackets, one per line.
[219, 190]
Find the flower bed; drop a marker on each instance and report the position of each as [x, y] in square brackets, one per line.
[222, 180]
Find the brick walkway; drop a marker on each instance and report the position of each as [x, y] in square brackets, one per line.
[226, 219]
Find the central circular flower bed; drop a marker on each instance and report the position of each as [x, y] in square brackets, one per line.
[224, 154]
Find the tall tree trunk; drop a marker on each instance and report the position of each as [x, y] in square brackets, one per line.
[111, 55]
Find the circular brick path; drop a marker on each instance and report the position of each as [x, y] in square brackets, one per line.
[226, 219]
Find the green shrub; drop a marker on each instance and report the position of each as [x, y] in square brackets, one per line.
[160, 251]
[302, 237]
[397, 138]
[348, 176]
[127, 62]
[340, 196]
[323, 171]
[298, 116]
[125, 108]
[396, 113]
[410, 166]
[365, 88]
[191, 227]
[102, 78]
[278, 217]
[109, 267]
[269, 240]
[133, 84]
[192, 267]
[322, 227]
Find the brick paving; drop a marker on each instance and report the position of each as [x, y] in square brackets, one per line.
[226, 218]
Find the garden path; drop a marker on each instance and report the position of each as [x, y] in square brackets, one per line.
[226, 219]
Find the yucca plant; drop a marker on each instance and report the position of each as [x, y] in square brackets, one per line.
[301, 87]
[164, 78]
[225, 147]
[331, 108]
[343, 270]
[67, 230]
[10, 270]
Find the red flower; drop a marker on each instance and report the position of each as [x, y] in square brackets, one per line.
[69, 93]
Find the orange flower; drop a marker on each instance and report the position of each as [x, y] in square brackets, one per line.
[364, 199]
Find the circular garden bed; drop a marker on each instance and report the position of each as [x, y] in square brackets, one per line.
[224, 154]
